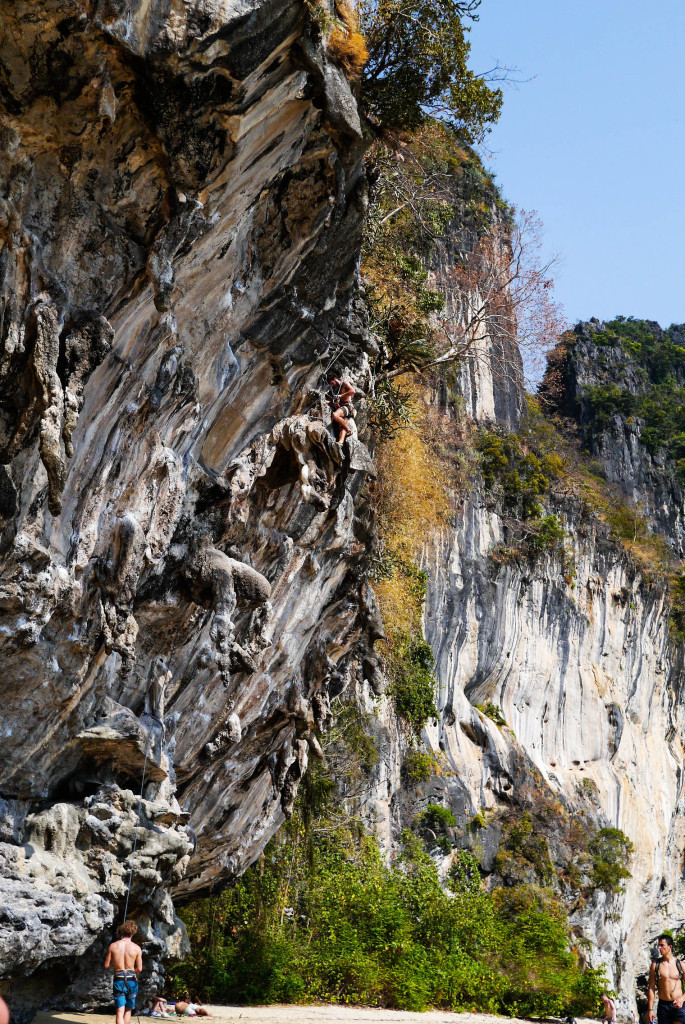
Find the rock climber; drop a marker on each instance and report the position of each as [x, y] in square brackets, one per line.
[340, 395]
[127, 960]
[666, 979]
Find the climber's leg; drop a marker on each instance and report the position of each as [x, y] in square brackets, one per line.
[119, 993]
[338, 417]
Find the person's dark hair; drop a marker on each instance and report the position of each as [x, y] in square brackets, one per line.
[666, 938]
[127, 930]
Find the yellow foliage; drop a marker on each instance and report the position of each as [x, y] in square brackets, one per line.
[400, 610]
[413, 503]
[346, 45]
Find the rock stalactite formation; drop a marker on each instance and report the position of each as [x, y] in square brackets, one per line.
[183, 196]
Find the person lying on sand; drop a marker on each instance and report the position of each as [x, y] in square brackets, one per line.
[186, 1008]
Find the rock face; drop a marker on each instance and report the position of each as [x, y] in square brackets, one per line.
[593, 363]
[584, 679]
[184, 543]
[575, 649]
[183, 195]
[491, 373]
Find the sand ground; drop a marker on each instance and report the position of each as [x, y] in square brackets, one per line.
[298, 1015]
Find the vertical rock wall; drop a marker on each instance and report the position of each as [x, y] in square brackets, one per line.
[575, 648]
[183, 198]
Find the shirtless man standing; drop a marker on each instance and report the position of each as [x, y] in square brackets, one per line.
[127, 960]
[666, 977]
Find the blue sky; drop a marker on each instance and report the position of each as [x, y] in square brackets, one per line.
[595, 142]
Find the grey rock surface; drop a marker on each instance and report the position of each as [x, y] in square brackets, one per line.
[648, 477]
[184, 545]
[183, 196]
[584, 670]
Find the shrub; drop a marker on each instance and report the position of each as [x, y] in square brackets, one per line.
[412, 688]
[433, 824]
[418, 767]
[522, 845]
[549, 534]
[677, 609]
[492, 711]
[346, 45]
[390, 410]
[611, 851]
[605, 400]
[520, 476]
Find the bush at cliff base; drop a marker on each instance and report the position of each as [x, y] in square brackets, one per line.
[321, 917]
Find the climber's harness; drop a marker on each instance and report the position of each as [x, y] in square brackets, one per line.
[333, 393]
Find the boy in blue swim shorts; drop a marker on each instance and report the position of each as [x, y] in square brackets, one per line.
[127, 960]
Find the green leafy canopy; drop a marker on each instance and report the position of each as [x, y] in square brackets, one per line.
[418, 66]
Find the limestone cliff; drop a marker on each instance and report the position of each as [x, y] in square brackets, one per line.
[574, 646]
[622, 383]
[185, 546]
[183, 195]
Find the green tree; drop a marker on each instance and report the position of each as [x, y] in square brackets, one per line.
[611, 851]
[418, 66]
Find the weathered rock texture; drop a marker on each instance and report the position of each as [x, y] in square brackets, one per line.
[575, 649]
[491, 373]
[588, 362]
[182, 203]
[183, 541]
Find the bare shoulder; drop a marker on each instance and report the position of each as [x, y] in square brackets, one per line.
[136, 948]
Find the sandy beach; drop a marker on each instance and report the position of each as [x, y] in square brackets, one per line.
[280, 1014]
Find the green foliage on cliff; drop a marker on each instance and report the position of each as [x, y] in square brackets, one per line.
[322, 917]
[418, 66]
[415, 200]
[523, 845]
[492, 711]
[568, 472]
[657, 396]
[433, 825]
[522, 477]
[418, 767]
[412, 685]
[519, 472]
[611, 851]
